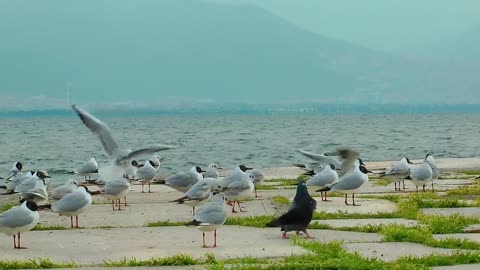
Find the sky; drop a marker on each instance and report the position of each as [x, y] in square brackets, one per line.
[138, 53]
[388, 25]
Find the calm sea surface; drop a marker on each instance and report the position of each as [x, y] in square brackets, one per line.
[61, 144]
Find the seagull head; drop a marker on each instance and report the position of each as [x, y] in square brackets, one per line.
[364, 169]
[199, 170]
[31, 205]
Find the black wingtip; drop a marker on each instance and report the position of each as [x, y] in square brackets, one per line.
[408, 178]
[193, 223]
[179, 201]
[324, 189]
[161, 182]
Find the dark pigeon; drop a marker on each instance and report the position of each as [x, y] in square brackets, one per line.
[299, 213]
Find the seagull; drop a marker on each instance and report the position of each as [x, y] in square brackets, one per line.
[115, 190]
[240, 189]
[16, 168]
[258, 177]
[210, 216]
[196, 195]
[299, 214]
[184, 180]
[73, 204]
[145, 174]
[433, 165]
[352, 175]
[322, 159]
[120, 158]
[34, 188]
[88, 168]
[17, 180]
[212, 171]
[311, 168]
[324, 178]
[421, 174]
[131, 173]
[59, 192]
[19, 219]
[398, 172]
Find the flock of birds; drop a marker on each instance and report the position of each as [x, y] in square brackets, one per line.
[344, 172]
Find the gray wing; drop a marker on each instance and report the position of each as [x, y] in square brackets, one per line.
[348, 157]
[183, 179]
[15, 217]
[144, 151]
[397, 169]
[100, 129]
[88, 167]
[212, 213]
[115, 187]
[145, 173]
[321, 158]
[198, 192]
[237, 187]
[348, 183]
[70, 203]
[26, 185]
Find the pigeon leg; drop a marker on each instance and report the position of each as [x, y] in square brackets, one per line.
[308, 236]
[204, 246]
[239, 206]
[215, 239]
[353, 199]
[284, 235]
[346, 202]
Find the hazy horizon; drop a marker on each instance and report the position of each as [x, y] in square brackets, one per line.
[189, 53]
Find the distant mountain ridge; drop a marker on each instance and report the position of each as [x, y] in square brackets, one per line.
[154, 51]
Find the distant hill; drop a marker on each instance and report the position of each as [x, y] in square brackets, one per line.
[157, 52]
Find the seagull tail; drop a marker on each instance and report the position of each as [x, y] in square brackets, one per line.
[179, 201]
[309, 173]
[161, 182]
[193, 223]
[324, 189]
[274, 223]
[408, 178]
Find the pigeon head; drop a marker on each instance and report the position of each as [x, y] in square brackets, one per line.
[31, 205]
[301, 189]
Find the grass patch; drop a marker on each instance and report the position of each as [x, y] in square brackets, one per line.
[447, 224]
[473, 172]
[41, 227]
[35, 264]
[465, 190]
[423, 235]
[282, 200]
[380, 182]
[164, 223]
[345, 215]
[252, 221]
[7, 206]
[177, 260]
[442, 260]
